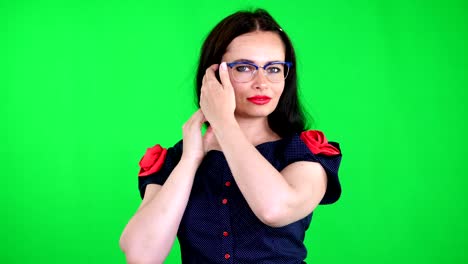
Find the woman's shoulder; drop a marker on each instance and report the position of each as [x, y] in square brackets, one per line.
[309, 141]
[312, 145]
[317, 143]
[157, 156]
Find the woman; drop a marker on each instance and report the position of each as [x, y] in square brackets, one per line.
[244, 191]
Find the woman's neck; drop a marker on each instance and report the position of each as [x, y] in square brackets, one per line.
[257, 130]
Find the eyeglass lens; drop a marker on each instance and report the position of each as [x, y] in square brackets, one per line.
[246, 72]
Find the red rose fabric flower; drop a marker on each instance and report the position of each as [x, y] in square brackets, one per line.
[152, 161]
[318, 144]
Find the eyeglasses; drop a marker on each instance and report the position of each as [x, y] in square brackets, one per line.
[243, 71]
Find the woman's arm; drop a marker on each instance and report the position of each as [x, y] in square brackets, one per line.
[150, 233]
[276, 198]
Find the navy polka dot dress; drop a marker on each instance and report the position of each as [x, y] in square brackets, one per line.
[218, 225]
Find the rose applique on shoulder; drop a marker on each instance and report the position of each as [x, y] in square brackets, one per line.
[318, 143]
[152, 161]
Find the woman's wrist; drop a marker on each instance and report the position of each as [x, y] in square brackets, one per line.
[228, 134]
[190, 162]
[227, 124]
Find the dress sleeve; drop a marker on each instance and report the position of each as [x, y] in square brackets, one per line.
[312, 145]
[157, 164]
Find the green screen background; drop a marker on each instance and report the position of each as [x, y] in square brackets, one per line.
[87, 86]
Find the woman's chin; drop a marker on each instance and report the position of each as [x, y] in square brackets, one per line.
[253, 114]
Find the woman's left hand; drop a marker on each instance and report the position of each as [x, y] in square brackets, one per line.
[217, 100]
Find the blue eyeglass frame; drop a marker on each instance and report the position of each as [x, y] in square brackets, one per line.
[287, 63]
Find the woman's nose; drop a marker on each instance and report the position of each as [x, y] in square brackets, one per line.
[260, 79]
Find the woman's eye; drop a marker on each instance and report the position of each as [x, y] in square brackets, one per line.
[244, 68]
[274, 69]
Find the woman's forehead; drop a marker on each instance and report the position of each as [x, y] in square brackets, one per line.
[258, 46]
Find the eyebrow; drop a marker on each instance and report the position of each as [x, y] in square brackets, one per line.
[250, 61]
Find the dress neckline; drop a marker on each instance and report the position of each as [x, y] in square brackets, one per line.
[259, 146]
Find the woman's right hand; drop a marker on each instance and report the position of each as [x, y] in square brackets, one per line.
[195, 146]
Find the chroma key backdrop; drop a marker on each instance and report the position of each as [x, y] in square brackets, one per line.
[87, 86]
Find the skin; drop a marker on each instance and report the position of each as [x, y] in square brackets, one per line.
[222, 102]
[277, 198]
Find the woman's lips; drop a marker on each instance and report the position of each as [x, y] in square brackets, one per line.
[259, 99]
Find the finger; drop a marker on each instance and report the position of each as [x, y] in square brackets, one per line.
[209, 75]
[209, 137]
[203, 118]
[214, 67]
[196, 119]
[208, 134]
[210, 72]
[224, 76]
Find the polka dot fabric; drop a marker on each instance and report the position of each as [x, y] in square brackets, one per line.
[218, 226]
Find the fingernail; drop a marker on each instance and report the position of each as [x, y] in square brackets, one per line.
[223, 66]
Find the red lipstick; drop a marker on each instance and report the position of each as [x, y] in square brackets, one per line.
[259, 99]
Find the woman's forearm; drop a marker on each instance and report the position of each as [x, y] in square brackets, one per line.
[263, 187]
[150, 234]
